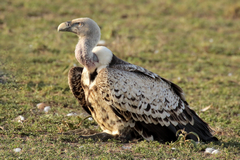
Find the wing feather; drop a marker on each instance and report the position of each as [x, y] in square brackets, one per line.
[74, 81]
[147, 99]
[125, 66]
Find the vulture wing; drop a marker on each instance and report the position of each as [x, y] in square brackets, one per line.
[74, 81]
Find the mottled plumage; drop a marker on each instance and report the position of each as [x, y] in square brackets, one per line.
[126, 100]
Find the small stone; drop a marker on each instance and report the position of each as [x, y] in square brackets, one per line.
[47, 109]
[20, 119]
[41, 106]
[72, 114]
[209, 150]
[17, 149]
[90, 118]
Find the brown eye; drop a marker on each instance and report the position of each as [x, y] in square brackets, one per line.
[80, 24]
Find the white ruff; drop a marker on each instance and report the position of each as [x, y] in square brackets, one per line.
[104, 57]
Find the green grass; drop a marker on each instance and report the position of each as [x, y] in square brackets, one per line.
[192, 43]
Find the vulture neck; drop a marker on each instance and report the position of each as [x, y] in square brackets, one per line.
[84, 54]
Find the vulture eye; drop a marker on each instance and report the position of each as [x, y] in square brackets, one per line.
[80, 23]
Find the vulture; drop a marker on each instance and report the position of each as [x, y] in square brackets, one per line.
[127, 101]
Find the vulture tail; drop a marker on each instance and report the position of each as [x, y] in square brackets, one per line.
[168, 134]
[201, 128]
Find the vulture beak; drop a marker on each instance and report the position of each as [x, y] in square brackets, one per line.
[65, 26]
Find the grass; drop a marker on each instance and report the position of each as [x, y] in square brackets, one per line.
[192, 43]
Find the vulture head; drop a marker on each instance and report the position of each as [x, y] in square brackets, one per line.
[92, 57]
[85, 28]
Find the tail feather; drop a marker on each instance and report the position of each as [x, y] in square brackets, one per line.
[168, 134]
[201, 128]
